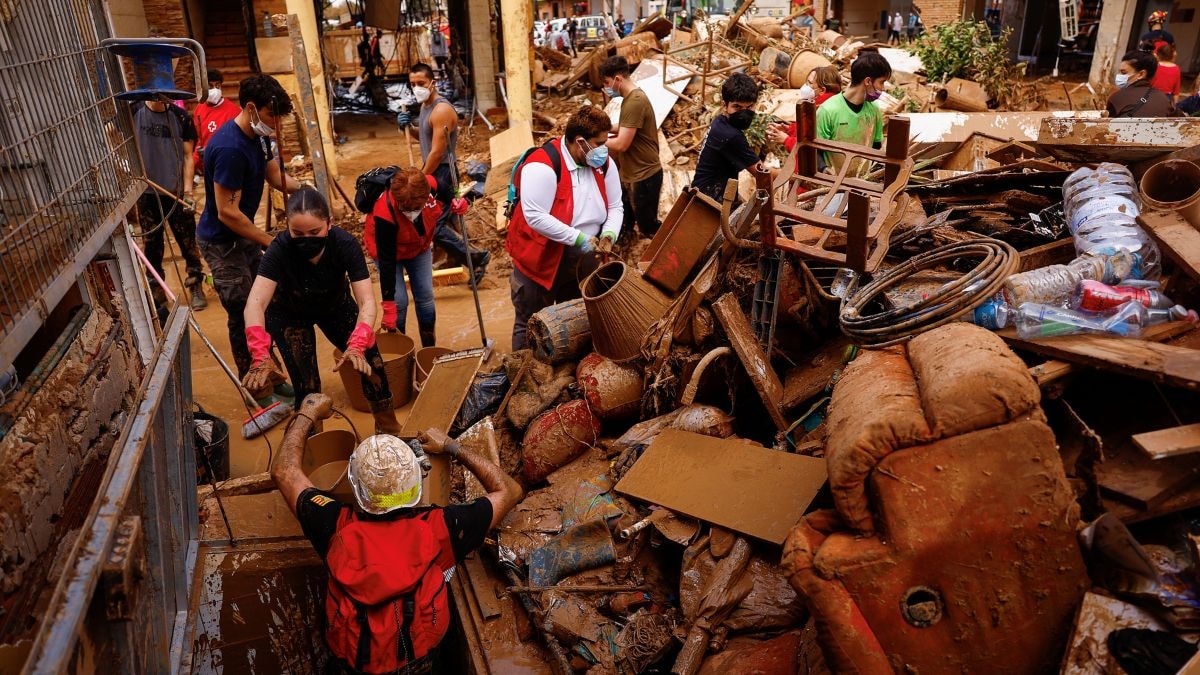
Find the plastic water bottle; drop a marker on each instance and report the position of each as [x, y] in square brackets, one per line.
[845, 282]
[268, 27]
[1054, 284]
[1035, 320]
[993, 314]
[1095, 296]
[1101, 207]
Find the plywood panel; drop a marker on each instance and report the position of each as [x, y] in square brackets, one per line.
[728, 482]
[436, 407]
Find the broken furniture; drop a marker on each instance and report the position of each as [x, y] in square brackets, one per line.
[951, 506]
[859, 211]
[1124, 140]
[682, 242]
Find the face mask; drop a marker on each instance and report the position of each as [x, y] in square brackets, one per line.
[807, 93]
[421, 94]
[214, 96]
[307, 247]
[611, 93]
[874, 94]
[260, 127]
[412, 215]
[1121, 79]
[742, 119]
[597, 156]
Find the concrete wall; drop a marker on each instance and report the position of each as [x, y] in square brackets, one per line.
[482, 38]
[128, 18]
[72, 420]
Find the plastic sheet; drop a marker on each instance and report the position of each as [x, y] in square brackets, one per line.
[482, 399]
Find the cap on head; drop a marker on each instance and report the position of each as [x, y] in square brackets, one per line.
[385, 475]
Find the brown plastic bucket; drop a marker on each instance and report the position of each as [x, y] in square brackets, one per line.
[326, 456]
[424, 364]
[397, 352]
[1174, 185]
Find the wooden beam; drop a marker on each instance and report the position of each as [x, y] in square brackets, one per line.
[1176, 366]
[758, 366]
[308, 107]
[1178, 239]
[1169, 442]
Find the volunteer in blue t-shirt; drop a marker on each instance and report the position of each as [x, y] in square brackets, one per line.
[236, 161]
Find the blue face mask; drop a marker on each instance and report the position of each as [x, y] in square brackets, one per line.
[611, 93]
[596, 157]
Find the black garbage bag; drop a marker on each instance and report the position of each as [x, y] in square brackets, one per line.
[210, 437]
[483, 399]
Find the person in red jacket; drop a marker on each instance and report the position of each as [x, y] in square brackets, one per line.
[569, 204]
[398, 234]
[210, 115]
[389, 560]
[1167, 77]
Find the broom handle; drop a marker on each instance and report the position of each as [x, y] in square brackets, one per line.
[192, 321]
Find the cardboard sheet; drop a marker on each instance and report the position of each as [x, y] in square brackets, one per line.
[728, 482]
[436, 406]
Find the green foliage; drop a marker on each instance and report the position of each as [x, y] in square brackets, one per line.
[966, 49]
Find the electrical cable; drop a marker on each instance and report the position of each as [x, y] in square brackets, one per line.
[953, 300]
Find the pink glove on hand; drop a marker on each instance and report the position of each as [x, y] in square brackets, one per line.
[390, 315]
[259, 342]
[459, 206]
[361, 339]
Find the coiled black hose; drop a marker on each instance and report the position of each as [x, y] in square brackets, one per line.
[953, 300]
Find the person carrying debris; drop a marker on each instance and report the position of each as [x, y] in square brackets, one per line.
[437, 130]
[211, 115]
[570, 203]
[726, 152]
[636, 143]
[237, 159]
[398, 234]
[306, 278]
[389, 560]
[852, 116]
[1157, 35]
[165, 138]
[1135, 95]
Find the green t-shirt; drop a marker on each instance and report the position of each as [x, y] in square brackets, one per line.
[640, 161]
[837, 121]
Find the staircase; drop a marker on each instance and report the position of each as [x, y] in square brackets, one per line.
[225, 43]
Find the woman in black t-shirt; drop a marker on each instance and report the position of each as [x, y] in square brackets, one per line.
[306, 279]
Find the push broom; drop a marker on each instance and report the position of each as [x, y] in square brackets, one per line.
[261, 419]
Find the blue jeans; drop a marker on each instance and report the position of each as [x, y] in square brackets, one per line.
[420, 273]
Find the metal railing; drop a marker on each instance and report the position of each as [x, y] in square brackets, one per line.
[68, 162]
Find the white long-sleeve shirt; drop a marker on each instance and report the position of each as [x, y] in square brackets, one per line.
[591, 215]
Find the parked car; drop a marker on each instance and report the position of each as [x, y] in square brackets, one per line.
[539, 33]
[594, 30]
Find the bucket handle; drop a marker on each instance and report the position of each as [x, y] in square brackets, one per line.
[354, 429]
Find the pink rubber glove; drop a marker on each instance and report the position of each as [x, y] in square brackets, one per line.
[390, 315]
[361, 339]
[259, 342]
[459, 206]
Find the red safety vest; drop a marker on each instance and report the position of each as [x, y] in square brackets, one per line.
[387, 602]
[536, 256]
[409, 242]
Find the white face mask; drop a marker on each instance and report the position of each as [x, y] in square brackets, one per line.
[807, 93]
[214, 96]
[1121, 79]
[421, 94]
[412, 215]
[260, 127]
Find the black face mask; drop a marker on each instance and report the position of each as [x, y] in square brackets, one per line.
[307, 247]
[742, 119]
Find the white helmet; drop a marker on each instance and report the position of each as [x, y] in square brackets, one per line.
[385, 475]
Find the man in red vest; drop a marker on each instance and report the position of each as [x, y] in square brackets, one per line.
[569, 204]
[389, 561]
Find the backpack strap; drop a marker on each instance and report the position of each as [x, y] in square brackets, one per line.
[362, 655]
[406, 651]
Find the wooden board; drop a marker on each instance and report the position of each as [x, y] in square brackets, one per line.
[758, 367]
[1169, 442]
[1177, 366]
[504, 148]
[1098, 616]
[274, 54]
[436, 407]
[1145, 483]
[1058, 252]
[1178, 239]
[728, 482]
[482, 584]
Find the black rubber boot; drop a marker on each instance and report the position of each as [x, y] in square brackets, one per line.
[428, 336]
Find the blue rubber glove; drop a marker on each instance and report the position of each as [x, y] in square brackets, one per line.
[585, 243]
[403, 118]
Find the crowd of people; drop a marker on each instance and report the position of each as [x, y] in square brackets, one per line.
[576, 195]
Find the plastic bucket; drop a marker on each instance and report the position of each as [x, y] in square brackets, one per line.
[424, 364]
[326, 456]
[397, 352]
[1174, 185]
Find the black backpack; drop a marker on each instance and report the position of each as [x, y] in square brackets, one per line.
[370, 185]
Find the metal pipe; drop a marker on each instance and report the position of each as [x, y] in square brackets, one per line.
[689, 392]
